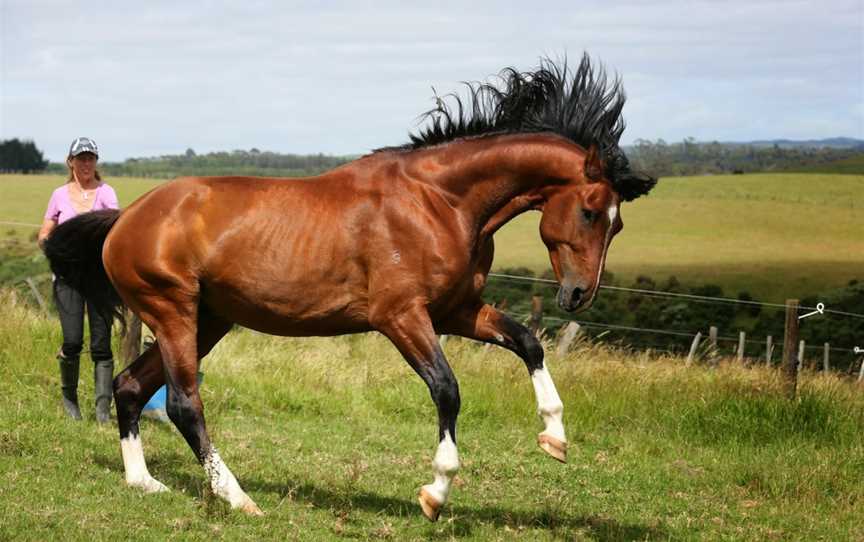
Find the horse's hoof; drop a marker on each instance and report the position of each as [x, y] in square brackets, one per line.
[553, 447]
[431, 507]
[149, 485]
[251, 509]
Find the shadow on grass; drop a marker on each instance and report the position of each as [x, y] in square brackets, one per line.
[457, 520]
[461, 520]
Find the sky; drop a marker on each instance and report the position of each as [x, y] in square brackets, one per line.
[159, 77]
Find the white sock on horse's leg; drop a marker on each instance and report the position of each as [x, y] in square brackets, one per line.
[137, 474]
[224, 484]
[445, 466]
[551, 410]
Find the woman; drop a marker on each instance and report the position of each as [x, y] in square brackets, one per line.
[83, 192]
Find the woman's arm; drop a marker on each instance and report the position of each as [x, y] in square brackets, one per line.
[48, 226]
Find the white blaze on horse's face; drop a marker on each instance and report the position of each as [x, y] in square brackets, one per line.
[612, 212]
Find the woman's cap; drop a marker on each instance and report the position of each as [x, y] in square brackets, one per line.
[83, 144]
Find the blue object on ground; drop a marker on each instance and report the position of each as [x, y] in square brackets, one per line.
[155, 407]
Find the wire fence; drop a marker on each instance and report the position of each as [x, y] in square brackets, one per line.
[24, 224]
[687, 334]
[677, 334]
[690, 297]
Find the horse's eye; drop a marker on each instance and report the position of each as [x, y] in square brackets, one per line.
[589, 215]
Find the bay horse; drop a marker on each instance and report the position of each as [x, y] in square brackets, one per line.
[399, 241]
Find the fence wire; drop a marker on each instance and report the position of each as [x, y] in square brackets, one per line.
[691, 297]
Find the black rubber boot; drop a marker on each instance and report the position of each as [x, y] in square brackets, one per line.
[69, 385]
[103, 372]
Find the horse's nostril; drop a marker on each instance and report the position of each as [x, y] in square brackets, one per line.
[576, 296]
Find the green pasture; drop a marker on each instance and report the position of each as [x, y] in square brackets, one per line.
[24, 198]
[333, 438]
[774, 235]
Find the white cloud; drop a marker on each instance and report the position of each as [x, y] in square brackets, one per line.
[345, 77]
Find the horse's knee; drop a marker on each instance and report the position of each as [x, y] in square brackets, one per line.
[125, 387]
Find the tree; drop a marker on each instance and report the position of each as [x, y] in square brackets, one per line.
[21, 156]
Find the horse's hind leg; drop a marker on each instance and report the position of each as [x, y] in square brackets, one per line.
[133, 387]
[485, 323]
[412, 333]
[181, 352]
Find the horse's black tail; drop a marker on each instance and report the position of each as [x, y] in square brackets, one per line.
[74, 250]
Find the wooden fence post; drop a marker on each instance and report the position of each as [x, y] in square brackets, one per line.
[826, 364]
[37, 295]
[801, 346]
[712, 340]
[536, 314]
[130, 347]
[790, 344]
[861, 372]
[693, 347]
[571, 331]
[769, 350]
[741, 342]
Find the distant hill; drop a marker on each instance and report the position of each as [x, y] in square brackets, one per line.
[830, 143]
[691, 157]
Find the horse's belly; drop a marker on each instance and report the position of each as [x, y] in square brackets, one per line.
[289, 311]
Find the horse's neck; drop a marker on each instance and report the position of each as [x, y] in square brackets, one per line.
[492, 180]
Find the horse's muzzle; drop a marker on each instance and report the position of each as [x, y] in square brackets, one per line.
[571, 298]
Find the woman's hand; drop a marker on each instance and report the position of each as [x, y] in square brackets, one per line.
[47, 227]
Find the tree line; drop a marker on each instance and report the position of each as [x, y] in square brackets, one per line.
[659, 158]
[693, 158]
[18, 156]
[237, 162]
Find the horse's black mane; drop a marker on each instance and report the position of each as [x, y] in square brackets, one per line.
[582, 106]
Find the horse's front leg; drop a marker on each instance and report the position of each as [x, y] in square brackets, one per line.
[412, 333]
[483, 322]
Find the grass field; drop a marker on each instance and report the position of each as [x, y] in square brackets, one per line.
[774, 235]
[23, 198]
[333, 437]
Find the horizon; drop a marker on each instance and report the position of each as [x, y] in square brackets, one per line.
[343, 79]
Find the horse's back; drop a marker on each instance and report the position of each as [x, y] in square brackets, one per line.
[273, 254]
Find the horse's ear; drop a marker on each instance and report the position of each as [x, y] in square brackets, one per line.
[593, 164]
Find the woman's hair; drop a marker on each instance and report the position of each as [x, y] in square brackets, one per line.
[72, 177]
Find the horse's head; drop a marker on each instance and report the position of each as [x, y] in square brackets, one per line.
[580, 218]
